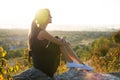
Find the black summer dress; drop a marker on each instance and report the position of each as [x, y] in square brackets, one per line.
[45, 56]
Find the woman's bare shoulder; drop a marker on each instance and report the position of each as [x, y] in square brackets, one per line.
[43, 34]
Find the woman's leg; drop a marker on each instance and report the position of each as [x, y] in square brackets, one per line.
[73, 60]
[72, 54]
[70, 61]
[64, 52]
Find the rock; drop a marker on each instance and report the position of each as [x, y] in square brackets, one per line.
[77, 74]
[71, 74]
[117, 74]
[32, 74]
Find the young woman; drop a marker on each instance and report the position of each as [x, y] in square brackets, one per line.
[44, 57]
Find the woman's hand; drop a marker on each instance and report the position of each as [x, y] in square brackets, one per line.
[64, 40]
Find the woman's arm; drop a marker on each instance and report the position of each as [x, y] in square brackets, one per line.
[45, 35]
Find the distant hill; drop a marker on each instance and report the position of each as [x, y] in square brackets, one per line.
[68, 27]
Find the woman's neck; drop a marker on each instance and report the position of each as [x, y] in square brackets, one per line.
[43, 26]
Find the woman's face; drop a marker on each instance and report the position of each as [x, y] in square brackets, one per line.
[43, 16]
[50, 19]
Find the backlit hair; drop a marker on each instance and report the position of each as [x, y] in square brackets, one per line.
[42, 16]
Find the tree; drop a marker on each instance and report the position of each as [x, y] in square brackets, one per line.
[116, 37]
[106, 55]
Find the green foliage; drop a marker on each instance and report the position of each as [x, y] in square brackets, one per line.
[6, 69]
[108, 63]
[84, 55]
[101, 46]
[15, 53]
[116, 37]
[106, 55]
[62, 68]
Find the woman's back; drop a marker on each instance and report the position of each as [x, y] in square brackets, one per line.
[45, 55]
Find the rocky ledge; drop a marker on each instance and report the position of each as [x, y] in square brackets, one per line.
[76, 74]
[71, 74]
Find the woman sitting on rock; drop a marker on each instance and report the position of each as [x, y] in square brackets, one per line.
[45, 49]
[44, 59]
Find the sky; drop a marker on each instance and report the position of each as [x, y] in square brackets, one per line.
[70, 12]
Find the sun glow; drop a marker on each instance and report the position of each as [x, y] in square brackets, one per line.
[62, 11]
[16, 11]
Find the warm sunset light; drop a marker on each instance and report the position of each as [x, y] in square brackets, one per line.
[62, 11]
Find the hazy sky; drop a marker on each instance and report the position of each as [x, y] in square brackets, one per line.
[62, 11]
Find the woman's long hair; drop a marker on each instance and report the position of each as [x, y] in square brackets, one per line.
[41, 18]
[32, 33]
